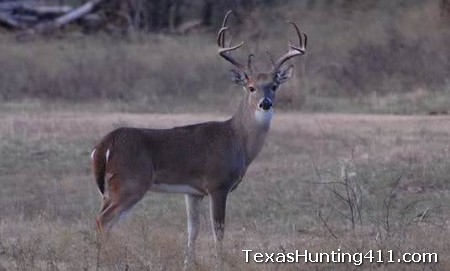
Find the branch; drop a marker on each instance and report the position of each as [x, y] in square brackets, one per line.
[71, 16]
[8, 21]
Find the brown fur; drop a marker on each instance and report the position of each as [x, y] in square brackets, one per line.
[209, 157]
[206, 159]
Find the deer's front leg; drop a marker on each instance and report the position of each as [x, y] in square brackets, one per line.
[217, 208]
[192, 208]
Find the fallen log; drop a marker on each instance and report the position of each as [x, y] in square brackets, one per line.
[12, 5]
[76, 14]
[44, 11]
[26, 13]
[29, 15]
[9, 21]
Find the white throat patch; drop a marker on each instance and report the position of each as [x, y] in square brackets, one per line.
[264, 117]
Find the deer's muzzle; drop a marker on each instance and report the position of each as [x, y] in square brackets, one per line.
[265, 104]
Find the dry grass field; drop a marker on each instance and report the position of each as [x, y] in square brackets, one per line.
[377, 57]
[294, 196]
[331, 176]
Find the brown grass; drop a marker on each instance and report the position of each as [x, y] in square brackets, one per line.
[374, 56]
[48, 199]
[59, 96]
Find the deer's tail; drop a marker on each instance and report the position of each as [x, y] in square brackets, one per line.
[99, 158]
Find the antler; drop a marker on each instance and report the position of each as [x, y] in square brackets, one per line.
[293, 50]
[225, 52]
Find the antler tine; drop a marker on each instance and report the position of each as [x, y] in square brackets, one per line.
[225, 52]
[300, 40]
[225, 19]
[221, 34]
[293, 49]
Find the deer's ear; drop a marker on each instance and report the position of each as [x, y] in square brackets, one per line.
[284, 73]
[239, 77]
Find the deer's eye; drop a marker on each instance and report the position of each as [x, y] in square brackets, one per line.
[252, 89]
[274, 87]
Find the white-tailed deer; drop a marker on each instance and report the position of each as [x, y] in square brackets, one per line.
[206, 159]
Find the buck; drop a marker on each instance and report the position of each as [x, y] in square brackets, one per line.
[206, 159]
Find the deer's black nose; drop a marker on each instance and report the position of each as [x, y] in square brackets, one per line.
[265, 104]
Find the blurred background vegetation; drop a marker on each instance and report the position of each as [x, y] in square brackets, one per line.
[372, 56]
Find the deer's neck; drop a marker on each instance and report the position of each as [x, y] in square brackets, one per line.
[251, 127]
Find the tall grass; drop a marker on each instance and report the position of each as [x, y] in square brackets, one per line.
[290, 199]
[360, 58]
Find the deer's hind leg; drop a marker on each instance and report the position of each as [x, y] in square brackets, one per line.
[120, 195]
